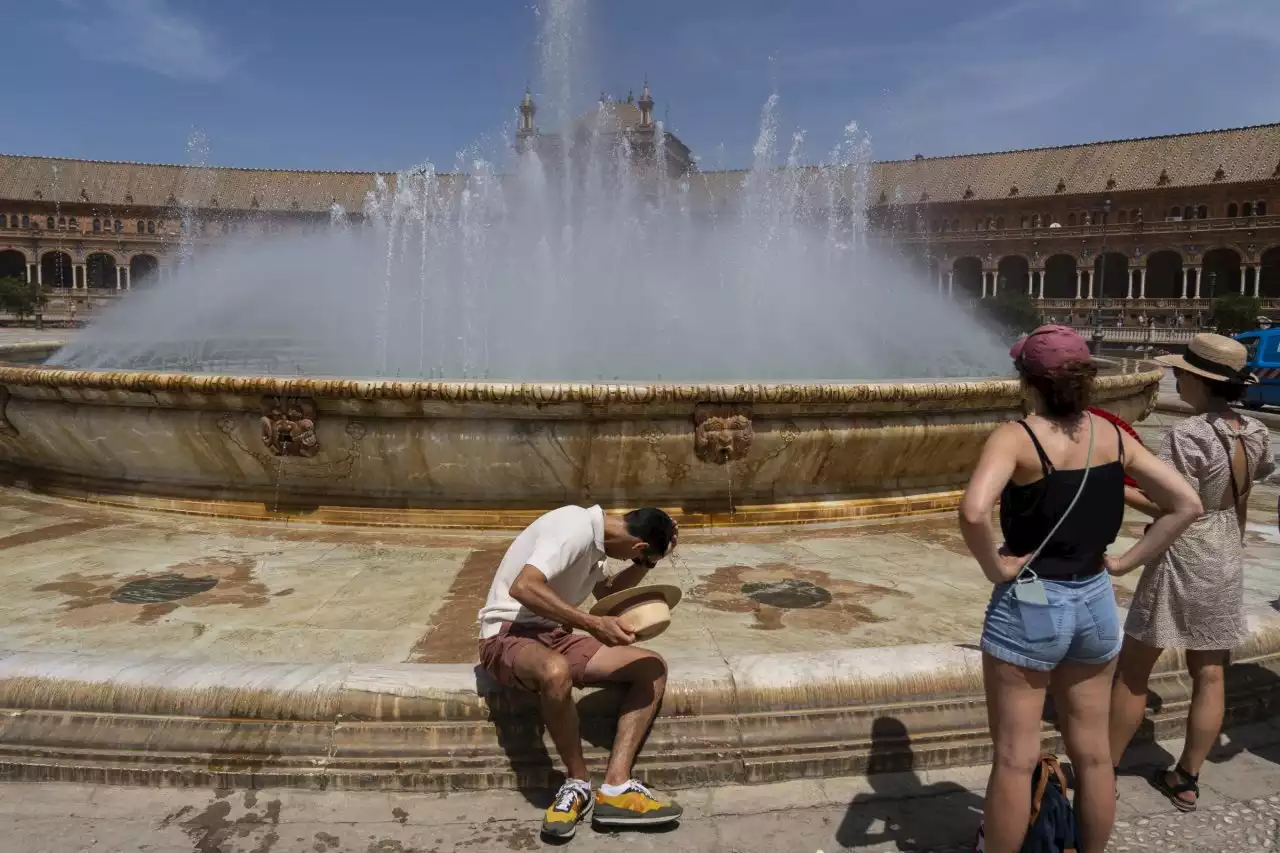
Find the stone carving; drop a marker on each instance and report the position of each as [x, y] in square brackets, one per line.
[6, 428]
[289, 427]
[722, 434]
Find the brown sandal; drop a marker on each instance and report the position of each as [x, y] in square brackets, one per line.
[1191, 786]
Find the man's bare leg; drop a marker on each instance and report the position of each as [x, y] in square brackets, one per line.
[547, 672]
[645, 673]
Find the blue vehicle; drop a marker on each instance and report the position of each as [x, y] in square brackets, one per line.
[1264, 360]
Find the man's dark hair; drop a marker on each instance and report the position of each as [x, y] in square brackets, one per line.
[653, 526]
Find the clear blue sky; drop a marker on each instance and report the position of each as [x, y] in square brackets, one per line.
[387, 84]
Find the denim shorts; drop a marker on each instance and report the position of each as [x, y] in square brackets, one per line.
[1085, 620]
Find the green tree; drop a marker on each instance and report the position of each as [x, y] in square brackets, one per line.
[1235, 313]
[19, 298]
[1013, 311]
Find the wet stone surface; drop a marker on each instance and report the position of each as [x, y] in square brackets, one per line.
[788, 594]
[162, 588]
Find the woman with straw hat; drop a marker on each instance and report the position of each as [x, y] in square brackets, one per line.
[1192, 596]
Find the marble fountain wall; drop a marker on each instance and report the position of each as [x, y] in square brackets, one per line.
[492, 454]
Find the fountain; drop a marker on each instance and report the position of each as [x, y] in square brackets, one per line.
[590, 322]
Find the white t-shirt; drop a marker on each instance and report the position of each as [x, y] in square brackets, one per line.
[567, 546]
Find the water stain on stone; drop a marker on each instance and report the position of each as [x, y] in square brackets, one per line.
[325, 842]
[452, 635]
[727, 589]
[523, 838]
[210, 831]
[400, 815]
[94, 599]
[48, 534]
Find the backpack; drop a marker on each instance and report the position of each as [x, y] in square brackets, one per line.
[1052, 824]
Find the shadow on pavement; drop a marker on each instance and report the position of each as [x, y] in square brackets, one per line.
[902, 809]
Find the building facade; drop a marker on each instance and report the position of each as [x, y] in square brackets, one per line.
[1130, 233]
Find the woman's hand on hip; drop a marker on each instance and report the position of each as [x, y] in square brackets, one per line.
[1009, 564]
[1116, 566]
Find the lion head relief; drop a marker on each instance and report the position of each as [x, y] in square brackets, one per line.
[722, 434]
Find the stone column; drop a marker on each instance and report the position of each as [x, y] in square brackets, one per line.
[1040, 284]
[1129, 293]
[984, 285]
[119, 278]
[1142, 283]
[1088, 277]
[1257, 281]
[1186, 281]
[33, 272]
[1198, 277]
[128, 282]
[79, 277]
[1079, 284]
[951, 282]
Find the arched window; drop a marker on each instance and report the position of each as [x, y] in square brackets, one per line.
[1233, 211]
[1122, 218]
[1246, 209]
[955, 225]
[999, 223]
[945, 226]
[26, 221]
[97, 226]
[1260, 209]
[62, 222]
[980, 225]
[49, 223]
[1135, 215]
[1035, 220]
[1025, 221]
[151, 227]
[142, 227]
[119, 226]
[71, 223]
[1202, 212]
[1176, 212]
[1071, 219]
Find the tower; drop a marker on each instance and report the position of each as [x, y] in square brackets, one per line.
[646, 106]
[527, 129]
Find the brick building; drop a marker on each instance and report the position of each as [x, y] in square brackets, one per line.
[1136, 232]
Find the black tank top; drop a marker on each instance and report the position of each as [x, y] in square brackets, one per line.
[1029, 512]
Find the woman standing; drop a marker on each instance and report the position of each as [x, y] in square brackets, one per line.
[1192, 597]
[1052, 620]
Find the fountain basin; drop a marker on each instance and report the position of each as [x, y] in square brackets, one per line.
[486, 454]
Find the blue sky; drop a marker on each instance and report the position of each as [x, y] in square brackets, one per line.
[386, 84]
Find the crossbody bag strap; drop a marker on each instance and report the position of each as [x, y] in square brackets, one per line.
[1084, 478]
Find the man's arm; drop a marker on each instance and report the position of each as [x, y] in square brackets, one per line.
[536, 595]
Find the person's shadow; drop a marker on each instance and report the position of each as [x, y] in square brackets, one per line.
[901, 809]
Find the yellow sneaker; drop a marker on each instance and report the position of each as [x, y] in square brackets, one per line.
[572, 805]
[635, 806]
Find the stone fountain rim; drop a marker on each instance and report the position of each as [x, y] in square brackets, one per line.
[909, 391]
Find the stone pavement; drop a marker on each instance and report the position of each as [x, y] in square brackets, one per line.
[931, 811]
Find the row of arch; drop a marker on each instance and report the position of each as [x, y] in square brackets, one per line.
[1164, 276]
[57, 269]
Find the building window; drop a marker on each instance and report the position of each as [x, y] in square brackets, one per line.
[1176, 213]
[1122, 218]
[71, 223]
[1232, 211]
[999, 223]
[49, 223]
[1071, 219]
[980, 225]
[1246, 209]
[1260, 209]
[26, 221]
[119, 227]
[955, 225]
[142, 227]
[1135, 215]
[151, 227]
[1202, 212]
[97, 226]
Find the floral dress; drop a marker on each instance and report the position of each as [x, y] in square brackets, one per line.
[1192, 597]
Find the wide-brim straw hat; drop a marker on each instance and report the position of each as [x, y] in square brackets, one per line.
[643, 610]
[1214, 357]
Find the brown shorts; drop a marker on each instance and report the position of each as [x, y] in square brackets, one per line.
[498, 653]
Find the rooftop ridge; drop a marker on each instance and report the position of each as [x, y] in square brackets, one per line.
[1182, 135]
[218, 168]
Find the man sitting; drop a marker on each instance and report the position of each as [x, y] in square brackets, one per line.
[528, 640]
